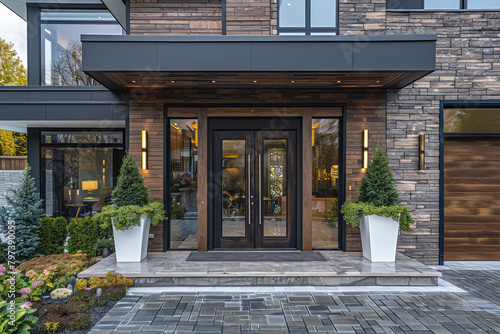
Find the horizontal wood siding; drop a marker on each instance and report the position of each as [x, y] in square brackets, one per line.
[471, 199]
[364, 110]
[248, 17]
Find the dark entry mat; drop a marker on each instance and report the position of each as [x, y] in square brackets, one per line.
[255, 256]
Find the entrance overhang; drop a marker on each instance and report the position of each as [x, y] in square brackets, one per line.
[127, 62]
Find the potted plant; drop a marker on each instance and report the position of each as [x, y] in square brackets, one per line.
[104, 247]
[378, 211]
[131, 214]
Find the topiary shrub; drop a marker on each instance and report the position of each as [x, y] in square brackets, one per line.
[83, 233]
[115, 292]
[88, 296]
[78, 320]
[25, 208]
[377, 186]
[53, 232]
[130, 188]
[77, 307]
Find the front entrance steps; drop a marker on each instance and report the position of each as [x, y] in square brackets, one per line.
[340, 269]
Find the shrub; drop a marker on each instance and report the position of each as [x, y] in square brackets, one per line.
[353, 212]
[130, 188]
[88, 296]
[112, 279]
[101, 244]
[53, 232]
[65, 263]
[24, 207]
[60, 313]
[377, 186]
[83, 233]
[115, 292]
[81, 284]
[126, 217]
[78, 320]
[24, 318]
[77, 307]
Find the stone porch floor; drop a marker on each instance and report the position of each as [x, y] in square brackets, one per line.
[340, 269]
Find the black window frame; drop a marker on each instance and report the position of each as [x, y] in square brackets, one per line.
[419, 5]
[307, 30]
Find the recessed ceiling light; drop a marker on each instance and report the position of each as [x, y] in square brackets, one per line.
[98, 17]
[293, 81]
[213, 81]
[289, 4]
[172, 81]
[338, 81]
[378, 80]
[255, 81]
[133, 81]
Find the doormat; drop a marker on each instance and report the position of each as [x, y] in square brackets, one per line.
[238, 256]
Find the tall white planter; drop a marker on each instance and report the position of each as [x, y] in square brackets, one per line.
[379, 238]
[132, 245]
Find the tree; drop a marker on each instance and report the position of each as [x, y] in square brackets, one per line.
[12, 70]
[130, 188]
[24, 209]
[68, 67]
[377, 186]
[7, 143]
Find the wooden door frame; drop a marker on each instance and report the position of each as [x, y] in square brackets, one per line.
[201, 111]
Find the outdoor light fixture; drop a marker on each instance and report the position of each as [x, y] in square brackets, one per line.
[72, 282]
[421, 151]
[365, 148]
[99, 295]
[144, 147]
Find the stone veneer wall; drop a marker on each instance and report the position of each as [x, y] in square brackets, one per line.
[9, 179]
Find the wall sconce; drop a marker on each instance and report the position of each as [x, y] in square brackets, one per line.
[144, 147]
[365, 149]
[421, 151]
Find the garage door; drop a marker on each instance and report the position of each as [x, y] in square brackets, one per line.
[472, 199]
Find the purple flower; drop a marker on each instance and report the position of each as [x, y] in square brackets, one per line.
[36, 283]
[15, 271]
[1, 274]
[31, 273]
[25, 290]
[27, 305]
[2, 268]
[24, 296]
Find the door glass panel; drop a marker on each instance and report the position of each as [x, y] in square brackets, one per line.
[325, 147]
[233, 188]
[274, 192]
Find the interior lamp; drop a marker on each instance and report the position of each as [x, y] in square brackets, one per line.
[89, 186]
[365, 149]
[144, 147]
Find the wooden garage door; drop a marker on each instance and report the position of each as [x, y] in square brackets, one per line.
[472, 199]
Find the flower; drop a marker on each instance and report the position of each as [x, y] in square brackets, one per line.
[27, 305]
[48, 280]
[46, 272]
[25, 290]
[52, 268]
[24, 296]
[2, 268]
[30, 273]
[1, 273]
[36, 283]
[15, 271]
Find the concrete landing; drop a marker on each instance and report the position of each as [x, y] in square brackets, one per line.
[340, 269]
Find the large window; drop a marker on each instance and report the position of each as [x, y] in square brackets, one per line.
[444, 4]
[307, 17]
[61, 53]
[325, 189]
[79, 171]
[183, 183]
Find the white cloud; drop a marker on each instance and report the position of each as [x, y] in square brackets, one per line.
[13, 29]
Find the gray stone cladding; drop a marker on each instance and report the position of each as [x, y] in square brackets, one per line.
[468, 68]
[9, 179]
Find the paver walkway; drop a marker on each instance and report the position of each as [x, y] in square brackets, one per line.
[333, 311]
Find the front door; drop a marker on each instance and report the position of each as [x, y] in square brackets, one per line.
[254, 188]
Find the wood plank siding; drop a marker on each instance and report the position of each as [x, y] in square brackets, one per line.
[471, 199]
[364, 109]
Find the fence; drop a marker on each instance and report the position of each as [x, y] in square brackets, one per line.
[13, 163]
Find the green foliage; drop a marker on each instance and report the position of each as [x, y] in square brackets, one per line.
[23, 318]
[130, 188]
[176, 210]
[7, 143]
[77, 307]
[126, 217]
[24, 208]
[12, 70]
[53, 232]
[64, 315]
[331, 215]
[377, 186]
[103, 243]
[21, 143]
[353, 212]
[83, 233]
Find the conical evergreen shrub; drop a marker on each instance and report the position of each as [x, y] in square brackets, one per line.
[130, 188]
[377, 186]
[25, 209]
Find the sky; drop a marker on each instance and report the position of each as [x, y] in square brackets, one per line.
[13, 29]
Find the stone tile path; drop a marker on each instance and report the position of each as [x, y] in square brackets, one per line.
[339, 310]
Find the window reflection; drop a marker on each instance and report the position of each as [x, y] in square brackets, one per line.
[183, 183]
[482, 120]
[483, 4]
[61, 47]
[442, 4]
[325, 142]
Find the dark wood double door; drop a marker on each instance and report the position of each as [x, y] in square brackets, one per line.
[254, 189]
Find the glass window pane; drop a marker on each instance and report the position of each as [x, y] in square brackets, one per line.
[292, 13]
[62, 50]
[323, 13]
[483, 4]
[323, 33]
[183, 183]
[472, 120]
[274, 188]
[442, 4]
[234, 171]
[292, 33]
[95, 137]
[78, 181]
[325, 142]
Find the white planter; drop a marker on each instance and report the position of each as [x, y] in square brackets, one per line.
[379, 238]
[132, 245]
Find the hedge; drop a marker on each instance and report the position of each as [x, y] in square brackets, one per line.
[83, 234]
[52, 232]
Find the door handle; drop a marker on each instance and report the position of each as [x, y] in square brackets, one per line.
[248, 187]
[260, 191]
